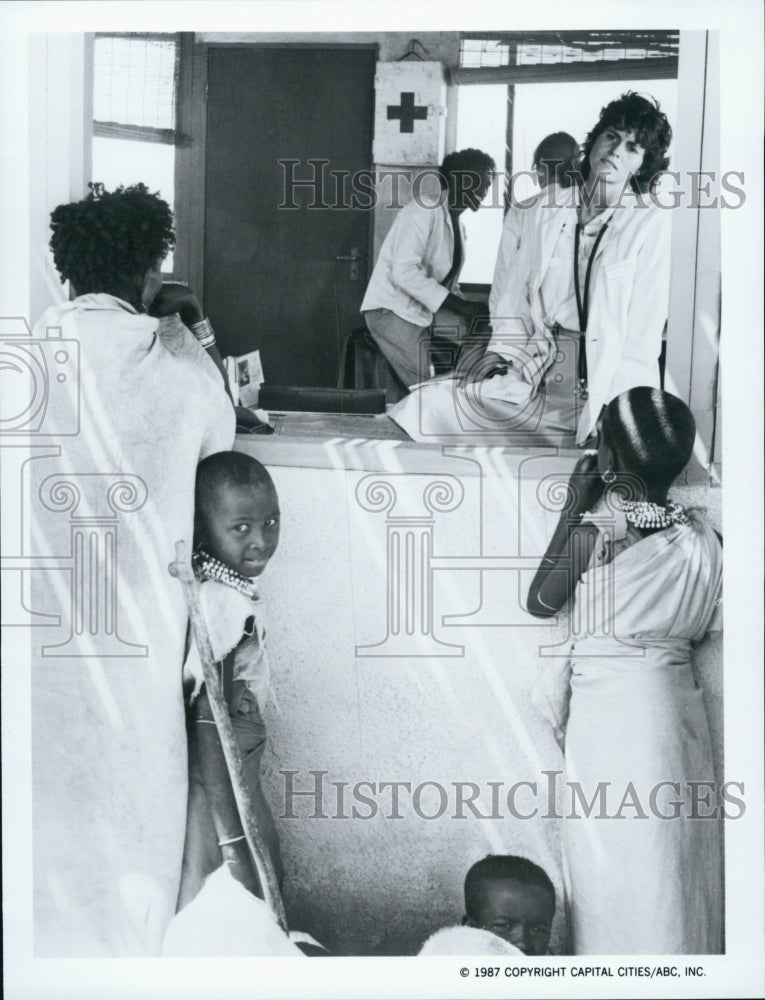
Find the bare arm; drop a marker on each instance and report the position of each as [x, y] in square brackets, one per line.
[214, 354]
[220, 796]
[570, 549]
[558, 574]
[174, 297]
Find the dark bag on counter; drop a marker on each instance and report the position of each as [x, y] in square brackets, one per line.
[316, 400]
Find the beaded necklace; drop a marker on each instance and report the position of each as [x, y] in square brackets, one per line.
[207, 567]
[645, 514]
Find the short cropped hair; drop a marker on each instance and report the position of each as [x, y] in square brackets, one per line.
[651, 433]
[497, 867]
[467, 161]
[110, 239]
[221, 471]
[642, 115]
[555, 157]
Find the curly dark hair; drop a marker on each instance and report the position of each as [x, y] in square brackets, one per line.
[633, 112]
[468, 167]
[107, 241]
[463, 160]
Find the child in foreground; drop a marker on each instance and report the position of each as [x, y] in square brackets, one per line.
[509, 909]
[514, 899]
[236, 533]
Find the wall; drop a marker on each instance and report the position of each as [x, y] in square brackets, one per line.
[694, 309]
[441, 47]
[381, 885]
[59, 148]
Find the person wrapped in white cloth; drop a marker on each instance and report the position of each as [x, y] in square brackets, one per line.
[134, 409]
[643, 872]
[224, 920]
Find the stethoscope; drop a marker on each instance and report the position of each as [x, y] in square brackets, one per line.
[582, 304]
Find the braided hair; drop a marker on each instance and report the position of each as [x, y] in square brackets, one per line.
[107, 241]
[651, 433]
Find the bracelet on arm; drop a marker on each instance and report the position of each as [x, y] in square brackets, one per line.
[231, 840]
[204, 332]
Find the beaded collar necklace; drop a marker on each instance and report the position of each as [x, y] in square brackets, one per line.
[645, 514]
[207, 567]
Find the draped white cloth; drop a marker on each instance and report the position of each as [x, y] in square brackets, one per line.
[225, 611]
[462, 940]
[225, 920]
[108, 737]
[642, 873]
[532, 300]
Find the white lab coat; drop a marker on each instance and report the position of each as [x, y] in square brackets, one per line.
[415, 257]
[508, 245]
[628, 302]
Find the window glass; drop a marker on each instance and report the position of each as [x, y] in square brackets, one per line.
[134, 114]
[538, 110]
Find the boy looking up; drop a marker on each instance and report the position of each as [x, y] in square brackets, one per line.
[236, 532]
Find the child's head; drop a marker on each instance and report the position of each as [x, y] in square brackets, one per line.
[648, 433]
[237, 512]
[513, 898]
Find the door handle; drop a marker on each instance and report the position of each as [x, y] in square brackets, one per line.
[354, 257]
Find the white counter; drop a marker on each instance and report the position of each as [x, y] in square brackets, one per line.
[401, 652]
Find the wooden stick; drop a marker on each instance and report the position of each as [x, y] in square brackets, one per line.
[181, 569]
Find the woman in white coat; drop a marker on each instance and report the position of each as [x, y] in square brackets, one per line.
[580, 305]
[590, 269]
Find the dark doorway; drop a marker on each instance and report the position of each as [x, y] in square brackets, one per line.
[273, 280]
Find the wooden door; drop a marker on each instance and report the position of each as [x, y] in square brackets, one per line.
[272, 277]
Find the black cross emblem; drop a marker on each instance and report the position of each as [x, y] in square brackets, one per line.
[406, 112]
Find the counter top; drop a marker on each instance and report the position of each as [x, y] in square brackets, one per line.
[375, 443]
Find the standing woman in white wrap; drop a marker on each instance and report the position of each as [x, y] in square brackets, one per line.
[643, 870]
[109, 765]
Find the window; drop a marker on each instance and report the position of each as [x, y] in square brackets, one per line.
[481, 50]
[516, 88]
[135, 82]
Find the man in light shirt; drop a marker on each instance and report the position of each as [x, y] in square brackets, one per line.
[418, 268]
